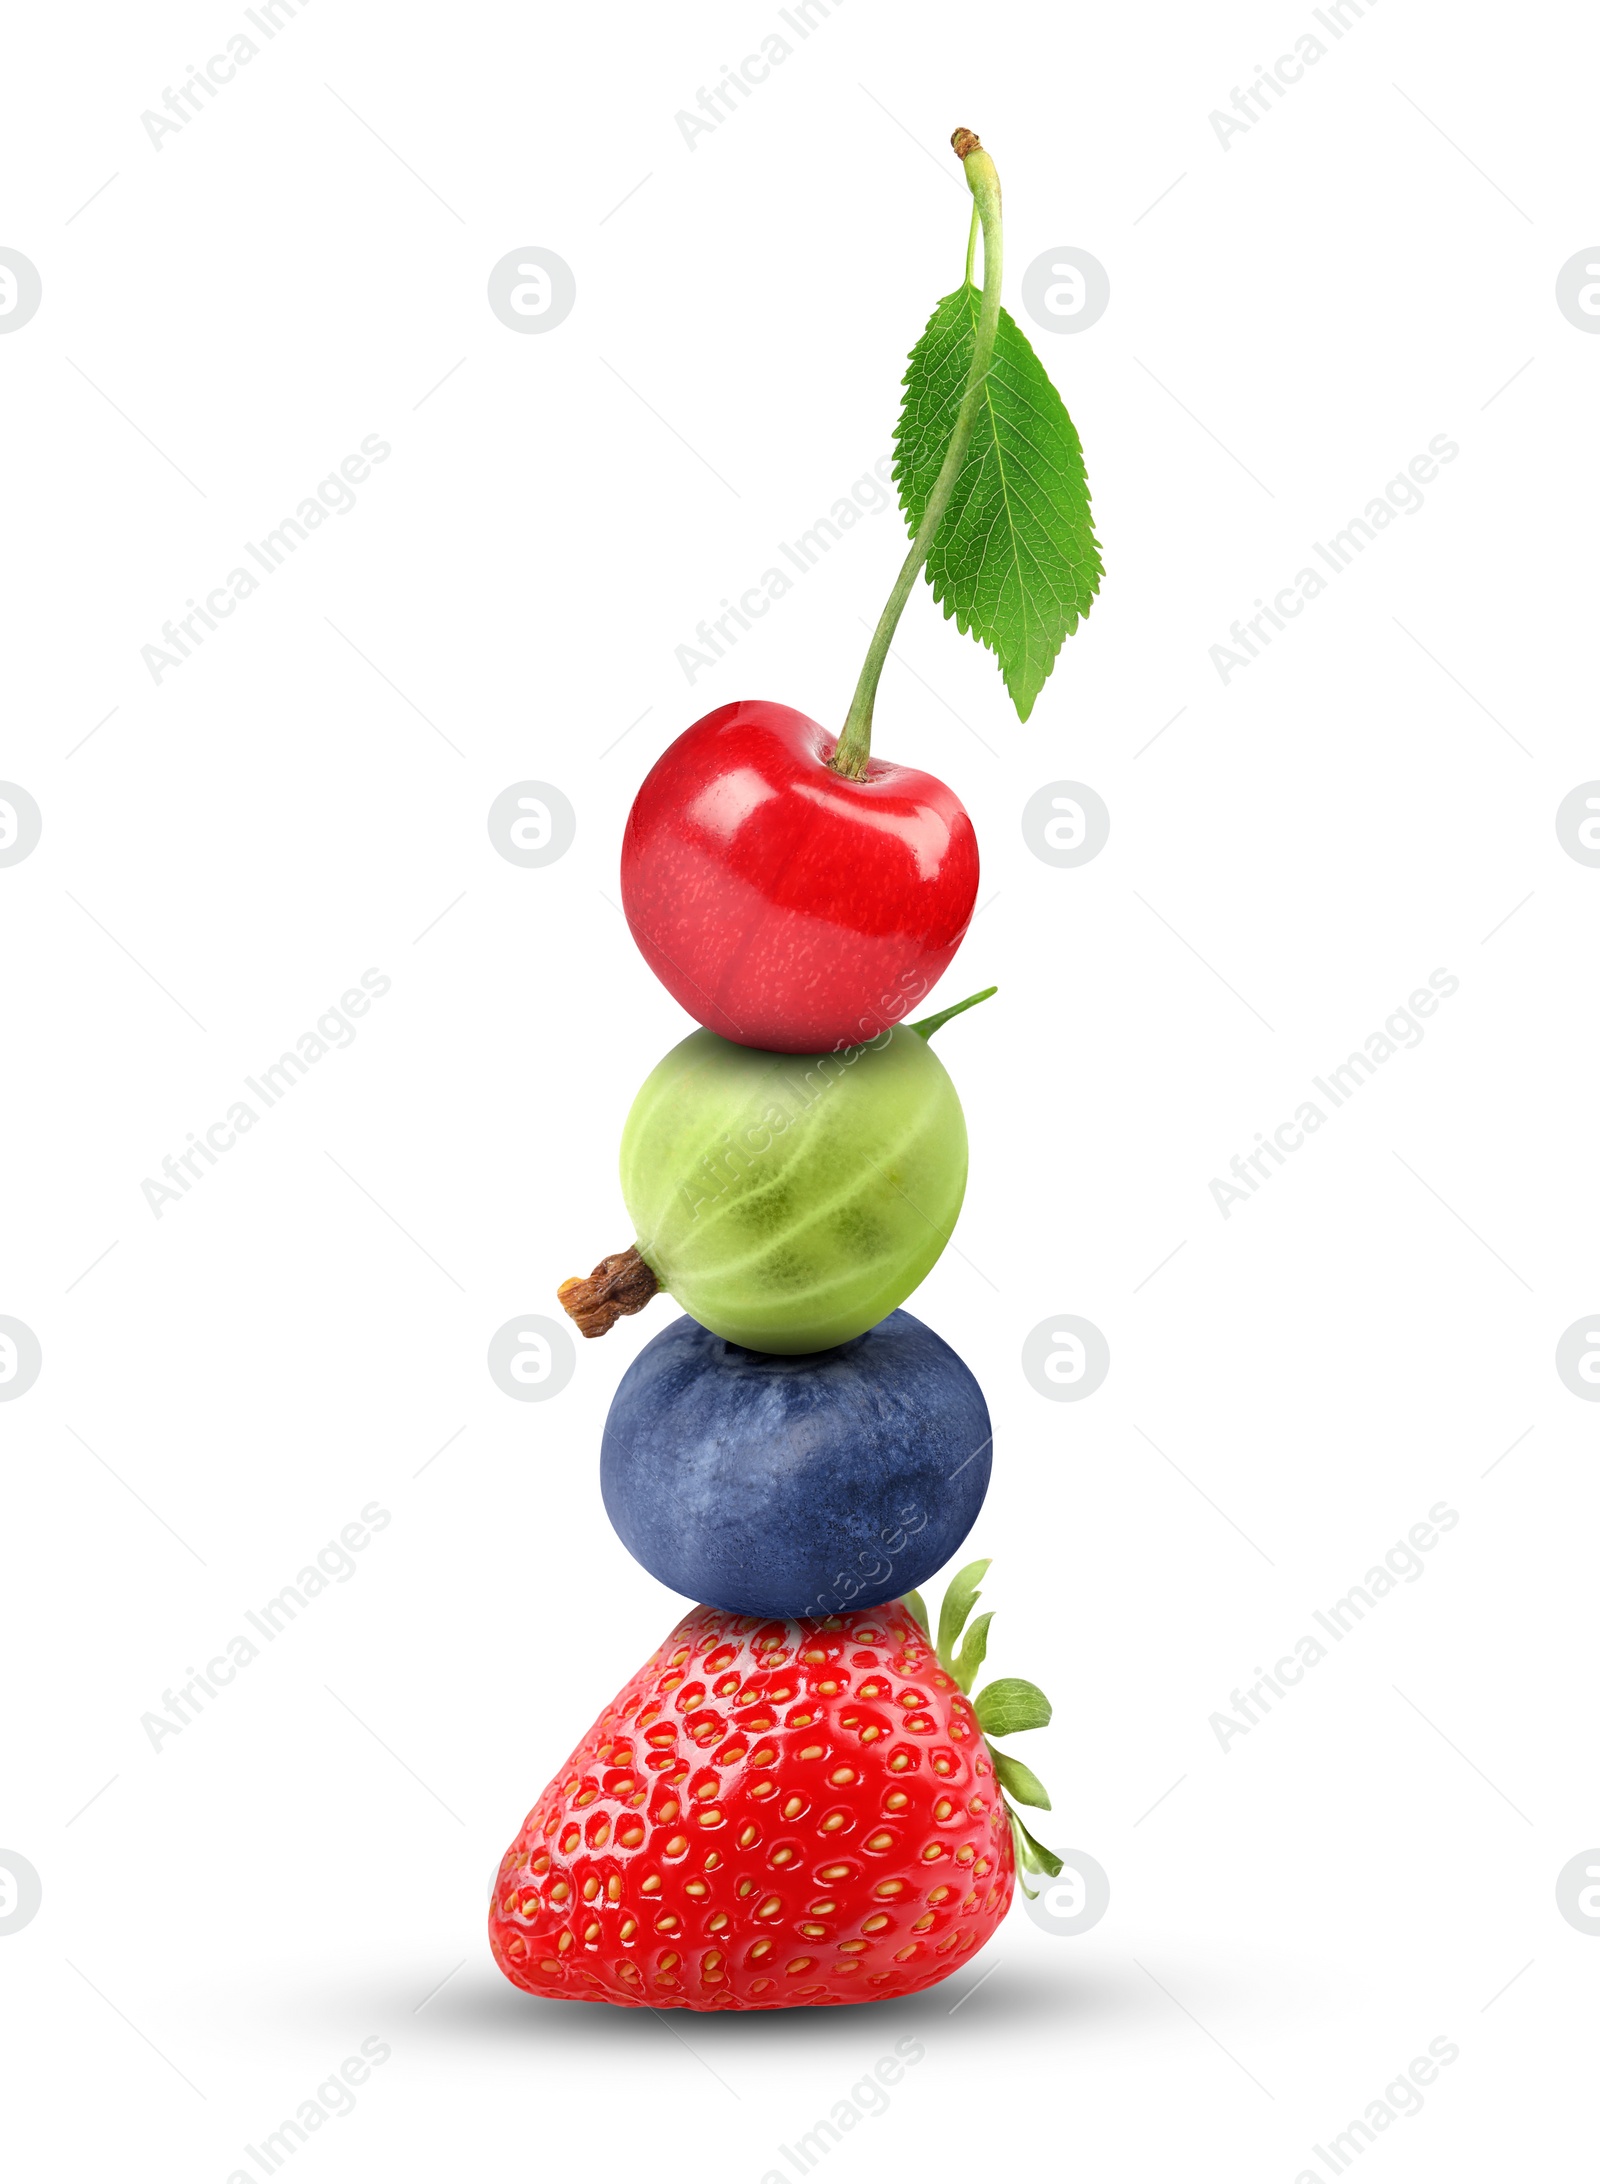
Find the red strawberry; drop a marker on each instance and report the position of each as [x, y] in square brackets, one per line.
[775, 1813]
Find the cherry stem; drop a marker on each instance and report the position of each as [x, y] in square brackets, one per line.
[855, 744]
[926, 1026]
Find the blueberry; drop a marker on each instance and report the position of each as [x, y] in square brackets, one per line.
[795, 1485]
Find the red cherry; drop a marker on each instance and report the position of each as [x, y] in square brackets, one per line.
[782, 904]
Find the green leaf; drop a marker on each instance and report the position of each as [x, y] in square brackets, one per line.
[974, 1646]
[1015, 559]
[1031, 1854]
[960, 1593]
[913, 1600]
[1009, 1705]
[1020, 1782]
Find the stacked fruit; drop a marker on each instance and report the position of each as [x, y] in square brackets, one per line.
[796, 1800]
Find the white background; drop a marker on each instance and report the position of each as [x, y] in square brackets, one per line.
[1371, 265]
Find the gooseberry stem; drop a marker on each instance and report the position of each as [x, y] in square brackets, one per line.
[926, 1026]
[855, 743]
[620, 1284]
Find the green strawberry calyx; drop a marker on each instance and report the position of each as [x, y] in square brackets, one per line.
[1004, 1708]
